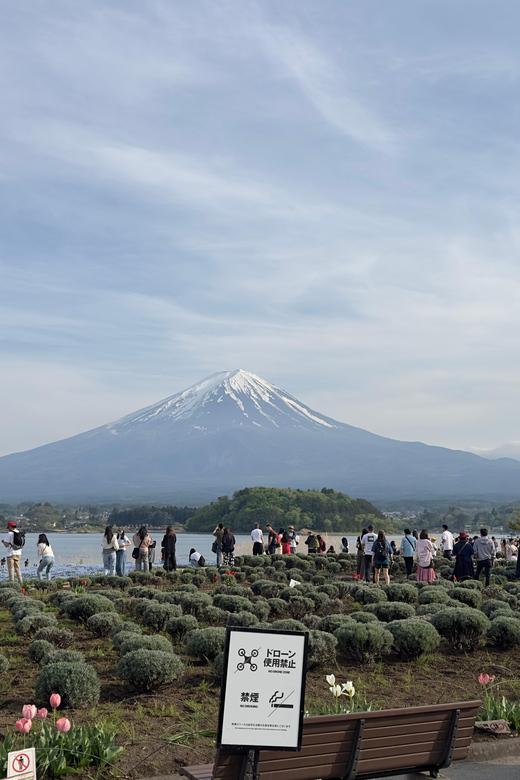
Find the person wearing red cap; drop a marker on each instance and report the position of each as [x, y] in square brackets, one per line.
[463, 552]
[13, 554]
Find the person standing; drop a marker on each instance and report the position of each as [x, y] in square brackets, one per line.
[142, 541]
[463, 552]
[46, 556]
[382, 558]
[407, 549]
[109, 546]
[123, 542]
[218, 533]
[312, 543]
[168, 545]
[14, 540]
[228, 548]
[360, 559]
[425, 552]
[344, 545]
[293, 539]
[485, 550]
[447, 543]
[367, 542]
[286, 543]
[257, 538]
[273, 542]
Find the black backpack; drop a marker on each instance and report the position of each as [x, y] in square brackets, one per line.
[18, 539]
[381, 551]
[202, 561]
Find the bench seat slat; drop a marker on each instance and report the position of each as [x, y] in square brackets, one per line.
[371, 735]
[392, 722]
[313, 758]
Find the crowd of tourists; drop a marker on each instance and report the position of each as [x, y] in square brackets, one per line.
[375, 554]
[113, 547]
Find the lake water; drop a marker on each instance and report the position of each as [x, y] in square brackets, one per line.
[81, 553]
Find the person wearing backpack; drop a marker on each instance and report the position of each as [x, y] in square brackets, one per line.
[274, 540]
[382, 558]
[14, 541]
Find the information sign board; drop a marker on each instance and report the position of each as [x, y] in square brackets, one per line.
[263, 689]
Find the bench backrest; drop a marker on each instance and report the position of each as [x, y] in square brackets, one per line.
[400, 739]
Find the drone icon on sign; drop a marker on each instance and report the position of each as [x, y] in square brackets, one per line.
[247, 660]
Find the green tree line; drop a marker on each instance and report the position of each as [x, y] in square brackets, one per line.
[325, 510]
[152, 516]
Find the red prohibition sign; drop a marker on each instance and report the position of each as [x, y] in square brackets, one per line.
[21, 762]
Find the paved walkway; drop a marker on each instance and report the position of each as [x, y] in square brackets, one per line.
[500, 769]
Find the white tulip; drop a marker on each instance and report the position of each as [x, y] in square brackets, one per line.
[336, 690]
[331, 679]
[349, 688]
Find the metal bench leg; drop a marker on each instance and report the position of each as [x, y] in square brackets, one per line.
[447, 755]
[351, 768]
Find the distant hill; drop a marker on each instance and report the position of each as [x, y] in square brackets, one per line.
[325, 510]
[234, 429]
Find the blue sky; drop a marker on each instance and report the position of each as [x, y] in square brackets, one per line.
[323, 193]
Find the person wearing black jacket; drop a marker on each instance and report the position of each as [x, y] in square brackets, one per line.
[168, 549]
[228, 548]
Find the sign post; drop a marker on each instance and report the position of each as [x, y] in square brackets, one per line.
[263, 690]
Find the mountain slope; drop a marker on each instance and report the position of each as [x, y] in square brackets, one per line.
[234, 429]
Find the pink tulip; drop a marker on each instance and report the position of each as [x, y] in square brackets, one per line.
[484, 679]
[42, 713]
[24, 725]
[29, 711]
[55, 700]
[63, 725]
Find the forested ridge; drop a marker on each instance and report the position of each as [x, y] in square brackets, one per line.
[325, 510]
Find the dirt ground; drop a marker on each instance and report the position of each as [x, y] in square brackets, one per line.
[146, 724]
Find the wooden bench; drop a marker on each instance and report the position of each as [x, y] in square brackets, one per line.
[360, 746]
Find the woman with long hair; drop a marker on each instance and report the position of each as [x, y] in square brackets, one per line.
[142, 542]
[123, 542]
[46, 557]
[228, 548]
[168, 549]
[382, 558]
[424, 553]
[109, 546]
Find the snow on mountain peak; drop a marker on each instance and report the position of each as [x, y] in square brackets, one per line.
[228, 399]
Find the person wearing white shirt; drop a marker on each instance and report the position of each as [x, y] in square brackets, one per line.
[13, 554]
[109, 546]
[367, 542]
[257, 538]
[194, 559]
[46, 556]
[447, 543]
[123, 542]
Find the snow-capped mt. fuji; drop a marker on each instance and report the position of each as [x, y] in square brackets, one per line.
[233, 430]
[243, 399]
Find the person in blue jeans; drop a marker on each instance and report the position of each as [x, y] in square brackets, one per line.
[123, 542]
[46, 556]
[407, 549]
[218, 533]
[109, 546]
